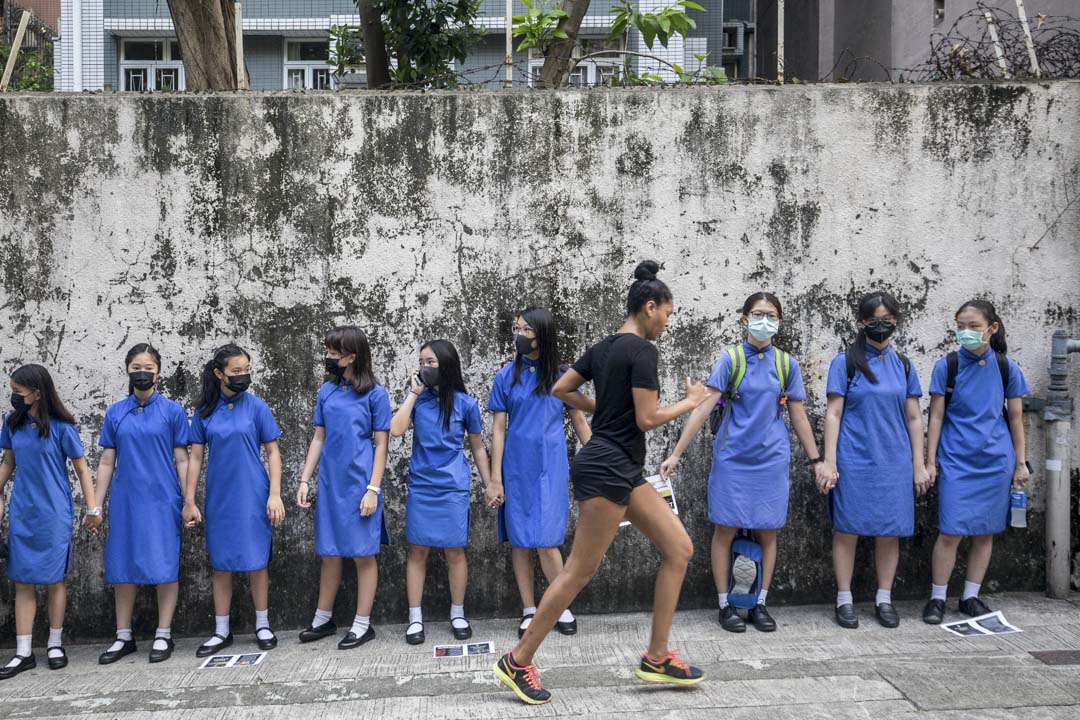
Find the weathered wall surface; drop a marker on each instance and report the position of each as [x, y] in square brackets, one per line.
[191, 220]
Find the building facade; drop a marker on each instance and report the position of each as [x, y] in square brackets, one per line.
[130, 45]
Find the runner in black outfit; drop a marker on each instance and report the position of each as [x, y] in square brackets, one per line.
[608, 485]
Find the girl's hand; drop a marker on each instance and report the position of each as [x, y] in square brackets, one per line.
[932, 471]
[417, 386]
[275, 510]
[825, 476]
[922, 480]
[667, 468]
[191, 515]
[92, 523]
[493, 494]
[1021, 475]
[302, 495]
[369, 504]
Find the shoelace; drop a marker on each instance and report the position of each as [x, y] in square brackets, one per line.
[532, 677]
[673, 656]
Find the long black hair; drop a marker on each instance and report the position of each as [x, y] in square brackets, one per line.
[646, 287]
[997, 340]
[542, 321]
[35, 377]
[748, 306]
[211, 386]
[351, 340]
[450, 379]
[137, 350]
[868, 305]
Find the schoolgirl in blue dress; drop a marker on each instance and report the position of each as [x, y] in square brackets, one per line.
[748, 482]
[243, 501]
[352, 424]
[442, 413]
[975, 440]
[144, 441]
[874, 462]
[529, 457]
[38, 439]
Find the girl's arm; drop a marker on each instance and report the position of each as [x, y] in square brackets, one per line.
[180, 460]
[191, 515]
[915, 431]
[693, 427]
[649, 413]
[493, 494]
[82, 471]
[933, 435]
[275, 509]
[402, 419]
[311, 464]
[1016, 425]
[566, 389]
[581, 426]
[370, 502]
[803, 430]
[498, 443]
[105, 468]
[7, 468]
[834, 411]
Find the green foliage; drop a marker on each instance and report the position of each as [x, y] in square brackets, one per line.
[538, 28]
[426, 36]
[347, 49]
[660, 25]
[33, 70]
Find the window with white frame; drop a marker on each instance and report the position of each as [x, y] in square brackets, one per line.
[585, 74]
[151, 64]
[307, 65]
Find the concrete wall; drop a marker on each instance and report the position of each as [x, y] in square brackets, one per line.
[192, 220]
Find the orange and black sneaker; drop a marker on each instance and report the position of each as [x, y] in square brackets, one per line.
[524, 681]
[669, 670]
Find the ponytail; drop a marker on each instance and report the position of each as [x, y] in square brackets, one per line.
[211, 386]
[858, 355]
[997, 341]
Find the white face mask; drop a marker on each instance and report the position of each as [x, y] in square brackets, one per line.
[764, 328]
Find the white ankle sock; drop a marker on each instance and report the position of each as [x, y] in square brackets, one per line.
[970, 590]
[762, 595]
[23, 645]
[527, 621]
[161, 635]
[566, 616]
[360, 625]
[883, 596]
[322, 617]
[938, 592]
[262, 619]
[221, 625]
[416, 615]
[843, 598]
[55, 642]
[723, 600]
[122, 636]
[528, 611]
[457, 617]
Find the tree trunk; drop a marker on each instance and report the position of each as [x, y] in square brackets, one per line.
[556, 67]
[378, 72]
[206, 30]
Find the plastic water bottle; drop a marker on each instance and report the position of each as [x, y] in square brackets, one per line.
[1018, 507]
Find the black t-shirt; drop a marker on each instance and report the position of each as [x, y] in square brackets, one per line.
[615, 365]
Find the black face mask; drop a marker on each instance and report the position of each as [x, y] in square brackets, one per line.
[429, 376]
[523, 345]
[238, 383]
[879, 331]
[334, 369]
[17, 401]
[141, 380]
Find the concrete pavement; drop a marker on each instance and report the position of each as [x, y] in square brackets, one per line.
[809, 668]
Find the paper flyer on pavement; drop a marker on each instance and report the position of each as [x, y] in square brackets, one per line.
[990, 624]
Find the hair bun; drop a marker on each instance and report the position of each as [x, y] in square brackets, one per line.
[646, 270]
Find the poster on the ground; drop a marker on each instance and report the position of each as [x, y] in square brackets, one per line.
[990, 624]
[230, 661]
[666, 491]
[469, 649]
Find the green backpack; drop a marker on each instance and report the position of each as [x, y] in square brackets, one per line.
[720, 417]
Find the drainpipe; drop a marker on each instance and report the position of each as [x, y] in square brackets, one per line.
[76, 46]
[1057, 416]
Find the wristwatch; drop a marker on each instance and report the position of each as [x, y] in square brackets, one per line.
[375, 489]
[92, 512]
[814, 461]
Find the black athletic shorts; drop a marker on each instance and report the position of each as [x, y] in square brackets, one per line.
[604, 470]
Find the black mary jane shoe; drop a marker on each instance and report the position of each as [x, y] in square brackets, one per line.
[313, 633]
[730, 620]
[157, 656]
[846, 617]
[206, 649]
[461, 633]
[351, 641]
[521, 630]
[934, 612]
[269, 643]
[57, 663]
[416, 638]
[26, 662]
[887, 615]
[974, 607]
[110, 656]
[567, 628]
[761, 619]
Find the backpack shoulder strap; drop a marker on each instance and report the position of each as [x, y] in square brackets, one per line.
[905, 362]
[783, 369]
[849, 362]
[952, 365]
[1003, 368]
[738, 370]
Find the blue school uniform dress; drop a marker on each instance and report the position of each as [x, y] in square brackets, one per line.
[975, 454]
[238, 531]
[749, 483]
[437, 508]
[351, 421]
[40, 511]
[875, 495]
[145, 501]
[535, 467]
